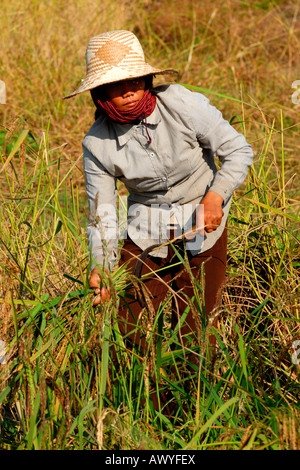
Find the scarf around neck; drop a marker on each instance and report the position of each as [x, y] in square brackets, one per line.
[143, 109]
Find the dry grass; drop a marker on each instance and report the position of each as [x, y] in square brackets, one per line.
[233, 47]
[246, 55]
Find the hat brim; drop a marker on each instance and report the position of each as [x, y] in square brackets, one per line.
[116, 75]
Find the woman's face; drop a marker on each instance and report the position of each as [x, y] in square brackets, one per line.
[127, 93]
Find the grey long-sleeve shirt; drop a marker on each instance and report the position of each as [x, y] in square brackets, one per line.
[169, 175]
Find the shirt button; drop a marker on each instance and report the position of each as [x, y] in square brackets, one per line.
[152, 154]
[164, 178]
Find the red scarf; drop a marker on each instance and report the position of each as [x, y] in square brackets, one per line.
[143, 109]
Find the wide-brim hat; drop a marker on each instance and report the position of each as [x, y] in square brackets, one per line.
[112, 57]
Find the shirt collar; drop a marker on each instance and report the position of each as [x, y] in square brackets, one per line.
[125, 131]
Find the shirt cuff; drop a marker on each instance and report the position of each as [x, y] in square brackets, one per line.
[223, 190]
[103, 261]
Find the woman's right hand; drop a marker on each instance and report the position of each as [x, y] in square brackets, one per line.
[102, 294]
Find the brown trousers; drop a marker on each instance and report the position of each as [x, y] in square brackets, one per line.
[208, 269]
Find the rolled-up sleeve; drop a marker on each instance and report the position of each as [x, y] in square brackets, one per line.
[102, 229]
[215, 133]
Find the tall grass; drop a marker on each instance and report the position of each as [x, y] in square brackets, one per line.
[68, 380]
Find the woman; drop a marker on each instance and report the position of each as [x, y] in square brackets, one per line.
[161, 143]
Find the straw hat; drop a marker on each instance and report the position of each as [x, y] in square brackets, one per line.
[114, 56]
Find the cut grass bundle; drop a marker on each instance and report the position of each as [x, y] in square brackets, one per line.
[61, 387]
[69, 379]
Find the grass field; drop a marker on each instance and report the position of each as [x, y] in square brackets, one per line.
[59, 388]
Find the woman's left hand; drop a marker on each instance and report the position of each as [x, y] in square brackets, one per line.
[213, 212]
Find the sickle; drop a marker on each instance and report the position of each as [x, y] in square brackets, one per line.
[143, 256]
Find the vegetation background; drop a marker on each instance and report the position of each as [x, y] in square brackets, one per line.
[59, 388]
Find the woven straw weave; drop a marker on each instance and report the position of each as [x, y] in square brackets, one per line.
[115, 56]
